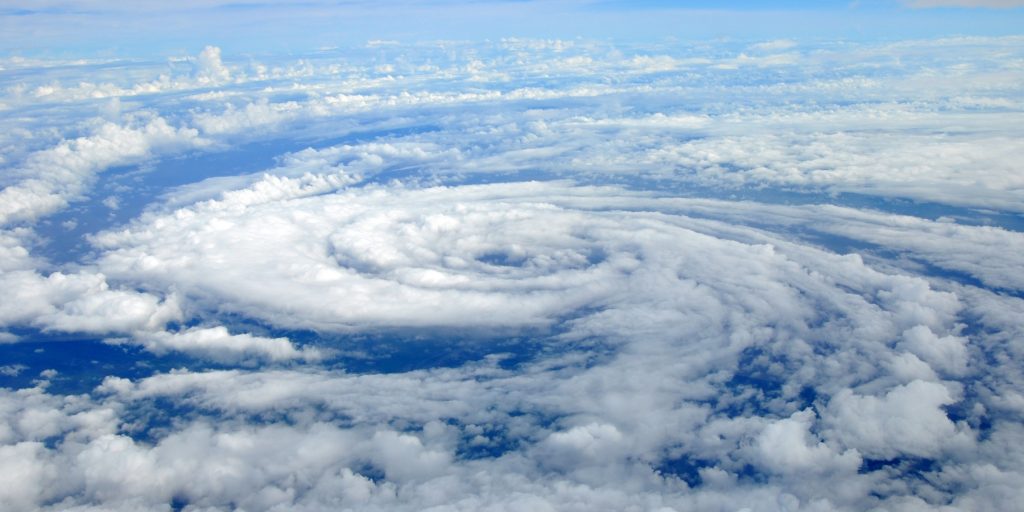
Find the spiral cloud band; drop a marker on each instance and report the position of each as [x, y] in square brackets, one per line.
[516, 275]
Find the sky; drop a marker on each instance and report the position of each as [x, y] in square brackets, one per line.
[544, 256]
[61, 28]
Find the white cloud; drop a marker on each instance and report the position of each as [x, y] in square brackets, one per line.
[112, 202]
[682, 297]
[937, 242]
[144, 79]
[81, 302]
[51, 178]
[583, 446]
[788, 446]
[948, 353]
[217, 344]
[257, 115]
[32, 476]
[774, 45]
[209, 68]
[907, 420]
[648, 335]
[12, 370]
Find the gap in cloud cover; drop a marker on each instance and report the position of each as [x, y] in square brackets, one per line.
[78, 365]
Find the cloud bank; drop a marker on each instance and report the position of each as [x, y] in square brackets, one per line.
[520, 275]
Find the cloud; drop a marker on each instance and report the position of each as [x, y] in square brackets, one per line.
[947, 354]
[50, 86]
[774, 45]
[687, 304]
[81, 302]
[51, 178]
[433, 268]
[218, 345]
[12, 370]
[908, 420]
[788, 446]
[209, 68]
[544, 233]
[28, 467]
[932, 241]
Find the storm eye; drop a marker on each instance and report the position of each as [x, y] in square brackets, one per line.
[502, 259]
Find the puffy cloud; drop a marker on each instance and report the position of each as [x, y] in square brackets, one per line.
[81, 302]
[219, 345]
[145, 78]
[971, 172]
[53, 177]
[948, 353]
[907, 420]
[937, 242]
[787, 446]
[583, 446]
[256, 115]
[209, 68]
[692, 306]
[386, 259]
[32, 476]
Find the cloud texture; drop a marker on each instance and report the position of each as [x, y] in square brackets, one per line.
[527, 275]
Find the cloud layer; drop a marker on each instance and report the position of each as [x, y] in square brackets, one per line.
[520, 275]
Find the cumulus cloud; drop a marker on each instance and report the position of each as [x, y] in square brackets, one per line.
[53, 177]
[146, 78]
[217, 344]
[684, 297]
[209, 68]
[948, 353]
[788, 446]
[907, 420]
[81, 302]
